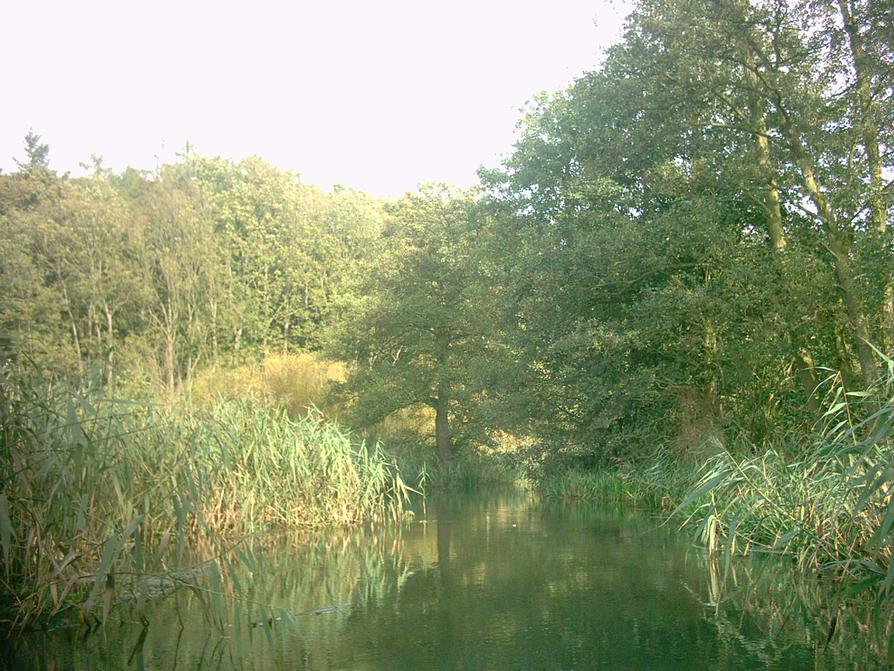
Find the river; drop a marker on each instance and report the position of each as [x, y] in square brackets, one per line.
[493, 580]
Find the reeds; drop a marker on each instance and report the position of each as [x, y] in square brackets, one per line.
[825, 499]
[97, 494]
[830, 507]
[657, 484]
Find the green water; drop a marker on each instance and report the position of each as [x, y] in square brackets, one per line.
[496, 580]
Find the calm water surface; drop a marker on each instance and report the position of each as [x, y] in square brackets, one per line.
[496, 580]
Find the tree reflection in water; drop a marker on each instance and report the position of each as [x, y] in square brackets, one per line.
[497, 580]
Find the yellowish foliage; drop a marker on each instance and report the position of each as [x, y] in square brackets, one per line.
[407, 425]
[295, 382]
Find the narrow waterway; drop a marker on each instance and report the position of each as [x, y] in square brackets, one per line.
[496, 580]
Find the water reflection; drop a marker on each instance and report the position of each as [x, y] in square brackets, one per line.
[498, 580]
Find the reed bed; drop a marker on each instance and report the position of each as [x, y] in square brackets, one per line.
[829, 508]
[470, 467]
[658, 483]
[603, 486]
[99, 494]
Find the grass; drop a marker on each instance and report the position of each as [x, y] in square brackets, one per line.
[469, 468]
[602, 486]
[658, 486]
[97, 493]
[658, 482]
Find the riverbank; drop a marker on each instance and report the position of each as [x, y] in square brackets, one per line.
[823, 499]
[100, 492]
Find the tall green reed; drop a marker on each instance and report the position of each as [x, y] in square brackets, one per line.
[829, 507]
[101, 498]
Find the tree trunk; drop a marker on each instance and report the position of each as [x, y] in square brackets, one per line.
[853, 307]
[214, 343]
[848, 374]
[770, 197]
[170, 359]
[838, 248]
[74, 328]
[110, 345]
[772, 205]
[869, 131]
[802, 361]
[442, 427]
[804, 365]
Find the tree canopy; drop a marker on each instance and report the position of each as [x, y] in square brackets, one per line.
[680, 247]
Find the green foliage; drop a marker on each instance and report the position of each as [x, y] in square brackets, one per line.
[688, 231]
[150, 278]
[418, 334]
[37, 153]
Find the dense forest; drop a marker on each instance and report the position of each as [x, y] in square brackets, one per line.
[689, 252]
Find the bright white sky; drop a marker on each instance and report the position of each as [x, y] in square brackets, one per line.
[376, 95]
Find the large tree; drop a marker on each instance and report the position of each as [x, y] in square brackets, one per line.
[693, 224]
[417, 333]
